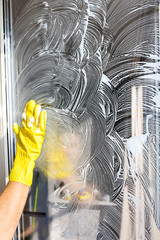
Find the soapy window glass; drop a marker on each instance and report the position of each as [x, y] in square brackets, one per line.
[93, 65]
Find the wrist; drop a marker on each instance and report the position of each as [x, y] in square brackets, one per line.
[23, 172]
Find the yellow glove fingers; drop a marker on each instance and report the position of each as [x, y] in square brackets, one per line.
[16, 128]
[42, 123]
[29, 113]
[28, 105]
[24, 117]
[37, 112]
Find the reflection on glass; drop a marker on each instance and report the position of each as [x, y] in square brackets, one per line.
[94, 67]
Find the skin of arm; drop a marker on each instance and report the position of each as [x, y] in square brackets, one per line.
[12, 202]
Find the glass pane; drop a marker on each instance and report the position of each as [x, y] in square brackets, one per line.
[94, 67]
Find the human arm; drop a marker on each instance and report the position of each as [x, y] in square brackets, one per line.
[29, 143]
[12, 202]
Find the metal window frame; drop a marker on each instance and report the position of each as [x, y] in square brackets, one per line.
[4, 171]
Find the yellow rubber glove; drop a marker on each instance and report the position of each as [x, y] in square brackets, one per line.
[29, 143]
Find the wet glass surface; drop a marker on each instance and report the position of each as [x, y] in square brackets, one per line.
[94, 66]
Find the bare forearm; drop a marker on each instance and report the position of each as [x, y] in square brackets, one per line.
[12, 201]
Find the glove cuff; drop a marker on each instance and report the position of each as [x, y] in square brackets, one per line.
[19, 174]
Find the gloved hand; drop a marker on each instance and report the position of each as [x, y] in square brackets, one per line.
[29, 143]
